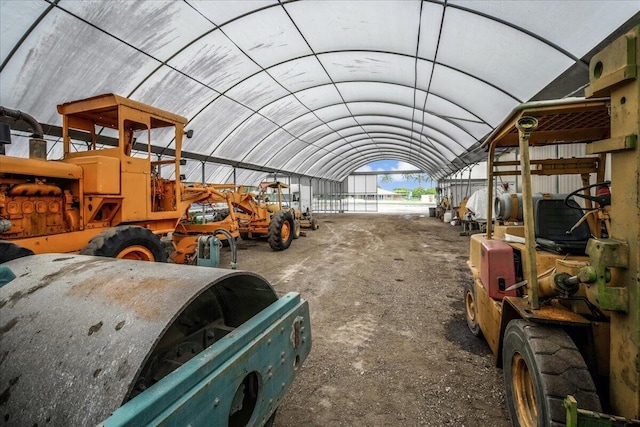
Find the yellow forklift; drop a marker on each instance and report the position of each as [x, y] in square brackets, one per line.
[556, 276]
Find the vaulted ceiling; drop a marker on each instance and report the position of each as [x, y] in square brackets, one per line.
[313, 88]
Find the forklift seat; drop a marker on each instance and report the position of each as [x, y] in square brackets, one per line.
[553, 220]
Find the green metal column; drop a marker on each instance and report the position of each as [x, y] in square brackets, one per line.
[614, 72]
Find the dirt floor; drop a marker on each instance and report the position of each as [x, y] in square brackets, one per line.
[390, 342]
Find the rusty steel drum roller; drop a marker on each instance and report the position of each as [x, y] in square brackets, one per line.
[80, 335]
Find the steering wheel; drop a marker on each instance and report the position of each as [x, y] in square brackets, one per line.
[602, 200]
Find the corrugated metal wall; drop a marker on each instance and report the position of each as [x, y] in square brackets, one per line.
[361, 193]
[456, 185]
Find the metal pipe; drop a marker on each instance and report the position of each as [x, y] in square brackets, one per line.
[19, 115]
[232, 244]
[203, 180]
[37, 144]
[490, 160]
[525, 126]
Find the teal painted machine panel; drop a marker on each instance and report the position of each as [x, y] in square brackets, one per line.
[239, 380]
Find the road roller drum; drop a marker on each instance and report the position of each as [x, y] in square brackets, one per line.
[82, 336]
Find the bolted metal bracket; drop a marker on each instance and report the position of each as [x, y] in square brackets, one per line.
[605, 254]
[208, 252]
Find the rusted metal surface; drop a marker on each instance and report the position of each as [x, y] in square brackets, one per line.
[547, 313]
[77, 330]
[98, 188]
[559, 121]
[613, 72]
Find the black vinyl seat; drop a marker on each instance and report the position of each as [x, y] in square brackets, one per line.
[553, 220]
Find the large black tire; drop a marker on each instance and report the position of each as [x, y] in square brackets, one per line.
[128, 242]
[471, 309]
[10, 251]
[541, 367]
[281, 230]
[245, 236]
[169, 248]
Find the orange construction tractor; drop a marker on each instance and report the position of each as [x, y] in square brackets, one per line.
[107, 200]
[264, 215]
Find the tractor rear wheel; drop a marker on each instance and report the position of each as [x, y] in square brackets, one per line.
[281, 230]
[10, 251]
[541, 367]
[127, 242]
[471, 309]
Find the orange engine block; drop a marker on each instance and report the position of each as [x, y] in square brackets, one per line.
[36, 209]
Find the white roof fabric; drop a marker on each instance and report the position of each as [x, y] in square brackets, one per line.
[313, 88]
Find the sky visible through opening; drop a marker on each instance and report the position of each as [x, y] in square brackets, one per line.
[399, 180]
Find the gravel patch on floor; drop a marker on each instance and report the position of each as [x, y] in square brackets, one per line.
[390, 342]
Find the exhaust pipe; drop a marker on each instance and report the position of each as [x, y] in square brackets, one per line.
[526, 125]
[5, 136]
[37, 144]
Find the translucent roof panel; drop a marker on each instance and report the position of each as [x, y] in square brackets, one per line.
[319, 96]
[371, 91]
[249, 133]
[273, 37]
[313, 88]
[556, 26]
[300, 74]
[490, 102]
[389, 26]
[316, 134]
[55, 64]
[247, 177]
[455, 114]
[257, 91]
[12, 30]
[430, 25]
[283, 110]
[477, 44]
[279, 159]
[215, 61]
[219, 173]
[381, 109]
[333, 112]
[222, 11]
[174, 24]
[175, 92]
[300, 125]
[214, 124]
[369, 66]
[278, 140]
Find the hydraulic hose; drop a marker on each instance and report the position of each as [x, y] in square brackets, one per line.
[232, 245]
